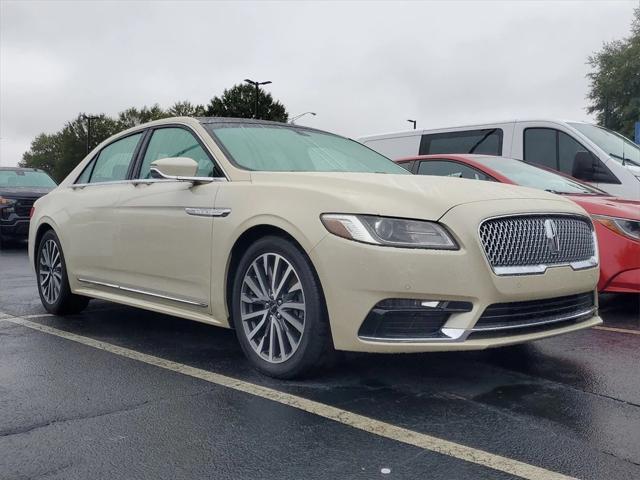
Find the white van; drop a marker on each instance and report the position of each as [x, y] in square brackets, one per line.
[588, 152]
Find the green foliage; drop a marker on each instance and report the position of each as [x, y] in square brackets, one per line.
[58, 153]
[132, 117]
[615, 82]
[187, 109]
[240, 102]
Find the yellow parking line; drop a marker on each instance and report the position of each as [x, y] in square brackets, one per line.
[345, 417]
[619, 330]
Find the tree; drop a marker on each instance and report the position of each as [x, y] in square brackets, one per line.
[186, 109]
[615, 82]
[240, 100]
[132, 117]
[60, 152]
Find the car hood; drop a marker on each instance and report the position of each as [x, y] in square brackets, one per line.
[610, 206]
[412, 196]
[24, 192]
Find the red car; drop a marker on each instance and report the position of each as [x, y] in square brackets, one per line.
[617, 220]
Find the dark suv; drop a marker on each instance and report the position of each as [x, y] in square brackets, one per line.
[19, 188]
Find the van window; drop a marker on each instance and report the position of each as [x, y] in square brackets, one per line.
[540, 147]
[486, 141]
[567, 149]
[556, 150]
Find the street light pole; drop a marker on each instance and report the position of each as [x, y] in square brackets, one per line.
[414, 123]
[293, 119]
[88, 118]
[257, 85]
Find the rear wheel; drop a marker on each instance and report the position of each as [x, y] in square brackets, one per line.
[53, 282]
[278, 310]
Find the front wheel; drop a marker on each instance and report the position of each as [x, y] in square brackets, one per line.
[53, 282]
[278, 310]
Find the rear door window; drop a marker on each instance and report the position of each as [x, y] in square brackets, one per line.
[485, 141]
[113, 161]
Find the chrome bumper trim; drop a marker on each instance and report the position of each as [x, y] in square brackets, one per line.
[459, 335]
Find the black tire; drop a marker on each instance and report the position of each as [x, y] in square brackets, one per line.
[64, 302]
[315, 347]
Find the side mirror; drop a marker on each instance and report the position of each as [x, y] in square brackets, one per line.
[174, 167]
[180, 169]
[584, 167]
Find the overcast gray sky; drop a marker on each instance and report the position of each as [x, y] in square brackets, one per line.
[364, 67]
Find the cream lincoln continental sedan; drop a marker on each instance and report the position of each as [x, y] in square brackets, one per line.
[305, 242]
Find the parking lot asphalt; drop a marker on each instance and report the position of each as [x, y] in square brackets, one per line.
[121, 393]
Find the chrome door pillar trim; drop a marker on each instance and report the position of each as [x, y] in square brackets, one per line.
[208, 212]
[143, 292]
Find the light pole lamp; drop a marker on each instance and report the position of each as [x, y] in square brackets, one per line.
[257, 85]
[88, 118]
[414, 123]
[293, 119]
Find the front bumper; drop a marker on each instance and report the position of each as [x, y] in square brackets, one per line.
[14, 227]
[619, 262]
[355, 277]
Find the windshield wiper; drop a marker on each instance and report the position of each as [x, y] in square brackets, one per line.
[624, 160]
[484, 137]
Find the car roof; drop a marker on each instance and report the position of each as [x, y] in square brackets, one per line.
[253, 121]
[451, 156]
[421, 131]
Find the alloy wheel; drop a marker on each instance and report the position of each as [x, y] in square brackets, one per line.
[272, 307]
[50, 271]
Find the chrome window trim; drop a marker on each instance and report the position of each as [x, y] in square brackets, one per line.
[540, 269]
[152, 129]
[144, 292]
[145, 181]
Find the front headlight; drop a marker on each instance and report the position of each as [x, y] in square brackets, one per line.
[622, 226]
[393, 232]
[4, 202]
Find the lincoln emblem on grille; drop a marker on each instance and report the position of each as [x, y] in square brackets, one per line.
[551, 231]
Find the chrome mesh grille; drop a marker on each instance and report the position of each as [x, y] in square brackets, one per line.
[523, 241]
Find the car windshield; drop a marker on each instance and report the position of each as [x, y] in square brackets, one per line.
[618, 147]
[25, 178]
[265, 147]
[529, 176]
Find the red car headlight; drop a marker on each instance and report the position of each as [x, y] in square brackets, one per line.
[622, 226]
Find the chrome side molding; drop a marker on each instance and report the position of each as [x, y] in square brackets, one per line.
[208, 212]
[143, 292]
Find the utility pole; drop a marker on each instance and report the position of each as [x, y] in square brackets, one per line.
[88, 118]
[257, 85]
[292, 121]
[414, 123]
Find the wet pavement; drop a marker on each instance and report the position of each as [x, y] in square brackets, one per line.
[568, 404]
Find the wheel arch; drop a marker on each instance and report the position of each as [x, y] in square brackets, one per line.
[42, 228]
[244, 240]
